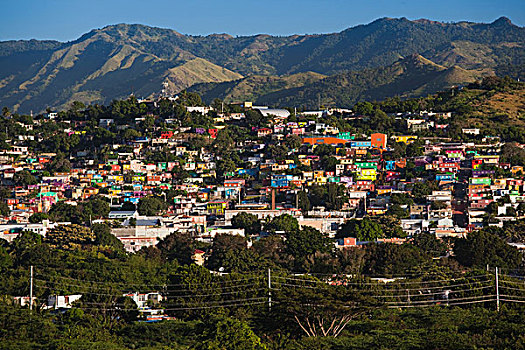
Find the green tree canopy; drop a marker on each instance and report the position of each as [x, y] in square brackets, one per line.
[70, 236]
[249, 222]
[150, 206]
[363, 230]
[231, 334]
[483, 247]
[284, 222]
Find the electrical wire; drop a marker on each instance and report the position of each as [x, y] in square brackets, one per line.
[440, 304]
[148, 285]
[323, 286]
[433, 301]
[391, 283]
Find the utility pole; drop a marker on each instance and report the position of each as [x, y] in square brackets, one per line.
[31, 289]
[497, 290]
[269, 290]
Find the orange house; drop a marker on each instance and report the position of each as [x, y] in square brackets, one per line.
[378, 140]
[324, 140]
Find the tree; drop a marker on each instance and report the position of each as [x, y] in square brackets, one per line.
[324, 150]
[224, 141]
[130, 134]
[249, 222]
[224, 246]
[24, 178]
[363, 230]
[304, 202]
[4, 209]
[66, 212]
[415, 149]
[277, 152]
[284, 222]
[293, 141]
[397, 211]
[390, 226]
[104, 238]
[26, 239]
[225, 166]
[511, 211]
[521, 208]
[401, 199]
[38, 217]
[177, 246]
[70, 236]
[150, 206]
[128, 206]
[254, 118]
[306, 241]
[431, 245]
[6, 112]
[364, 108]
[388, 259]
[231, 334]
[95, 207]
[422, 189]
[59, 164]
[484, 247]
[512, 153]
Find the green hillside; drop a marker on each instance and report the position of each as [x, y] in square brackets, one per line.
[410, 77]
[114, 61]
[251, 88]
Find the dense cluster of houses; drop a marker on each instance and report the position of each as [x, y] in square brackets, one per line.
[465, 175]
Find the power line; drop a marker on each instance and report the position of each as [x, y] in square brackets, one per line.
[443, 300]
[427, 294]
[149, 285]
[225, 303]
[324, 286]
[389, 283]
[82, 289]
[447, 304]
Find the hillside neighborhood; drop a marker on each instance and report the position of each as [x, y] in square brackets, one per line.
[207, 172]
[246, 175]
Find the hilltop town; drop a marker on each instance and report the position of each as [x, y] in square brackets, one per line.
[153, 168]
[158, 209]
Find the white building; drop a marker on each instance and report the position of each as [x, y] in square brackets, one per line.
[62, 301]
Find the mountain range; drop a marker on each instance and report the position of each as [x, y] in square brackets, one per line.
[384, 58]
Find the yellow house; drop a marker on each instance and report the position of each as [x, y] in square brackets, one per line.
[115, 191]
[488, 159]
[306, 162]
[138, 178]
[116, 178]
[366, 174]
[216, 208]
[321, 179]
[383, 191]
[406, 139]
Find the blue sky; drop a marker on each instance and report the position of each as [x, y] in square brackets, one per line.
[68, 19]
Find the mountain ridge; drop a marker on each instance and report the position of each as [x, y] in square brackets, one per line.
[112, 61]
